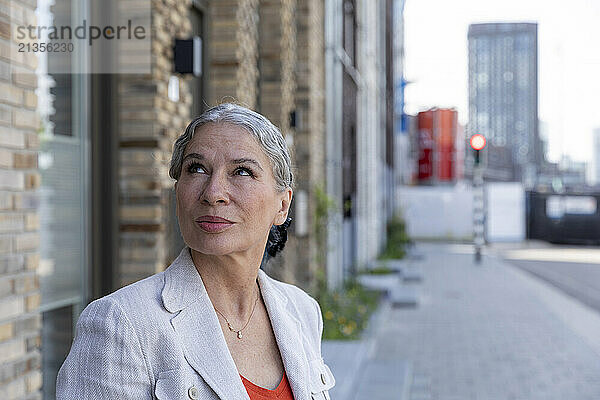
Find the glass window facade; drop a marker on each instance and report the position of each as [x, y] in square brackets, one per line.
[64, 193]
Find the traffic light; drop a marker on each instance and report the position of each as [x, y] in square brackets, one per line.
[477, 143]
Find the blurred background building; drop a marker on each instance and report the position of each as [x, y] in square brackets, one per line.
[87, 204]
[503, 98]
[439, 154]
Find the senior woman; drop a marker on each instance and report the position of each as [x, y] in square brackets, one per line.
[213, 325]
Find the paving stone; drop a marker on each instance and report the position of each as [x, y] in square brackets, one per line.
[384, 380]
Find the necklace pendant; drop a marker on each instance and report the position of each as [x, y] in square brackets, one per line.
[239, 334]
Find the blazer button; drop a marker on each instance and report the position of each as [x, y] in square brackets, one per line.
[193, 393]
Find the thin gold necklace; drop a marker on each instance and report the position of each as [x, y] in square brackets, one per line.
[238, 332]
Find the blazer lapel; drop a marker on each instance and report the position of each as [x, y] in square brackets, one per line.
[199, 330]
[287, 332]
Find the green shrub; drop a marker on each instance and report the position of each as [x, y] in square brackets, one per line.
[397, 239]
[346, 311]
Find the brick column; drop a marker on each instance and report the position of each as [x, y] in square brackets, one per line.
[277, 52]
[149, 123]
[277, 86]
[20, 321]
[309, 139]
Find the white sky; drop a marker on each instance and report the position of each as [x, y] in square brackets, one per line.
[568, 58]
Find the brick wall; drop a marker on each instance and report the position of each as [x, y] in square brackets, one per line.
[20, 322]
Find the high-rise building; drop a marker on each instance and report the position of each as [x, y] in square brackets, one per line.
[503, 98]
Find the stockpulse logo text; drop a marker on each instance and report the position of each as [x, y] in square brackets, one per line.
[82, 31]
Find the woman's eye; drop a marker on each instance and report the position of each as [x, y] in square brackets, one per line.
[194, 167]
[245, 171]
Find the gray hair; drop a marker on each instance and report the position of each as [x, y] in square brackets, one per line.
[268, 136]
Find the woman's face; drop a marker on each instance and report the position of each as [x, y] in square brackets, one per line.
[225, 173]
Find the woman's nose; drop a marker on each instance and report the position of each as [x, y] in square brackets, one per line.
[215, 189]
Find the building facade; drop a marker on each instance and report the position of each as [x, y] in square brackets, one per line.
[503, 98]
[359, 109]
[437, 131]
[375, 128]
[403, 166]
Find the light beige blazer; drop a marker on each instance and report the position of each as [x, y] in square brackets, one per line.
[160, 338]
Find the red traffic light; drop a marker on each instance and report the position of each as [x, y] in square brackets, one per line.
[477, 141]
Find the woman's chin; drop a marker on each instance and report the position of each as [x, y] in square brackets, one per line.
[213, 245]
[212, 250]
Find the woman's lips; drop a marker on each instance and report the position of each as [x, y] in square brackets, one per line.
[214, 227]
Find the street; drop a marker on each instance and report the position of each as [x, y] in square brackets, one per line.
[574, 270]
[483, 332]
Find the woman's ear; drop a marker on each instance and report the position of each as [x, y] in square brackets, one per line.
[286, 201]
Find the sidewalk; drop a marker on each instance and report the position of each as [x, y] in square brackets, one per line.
[485, 332]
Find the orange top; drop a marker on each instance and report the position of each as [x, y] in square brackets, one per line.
[283, 391]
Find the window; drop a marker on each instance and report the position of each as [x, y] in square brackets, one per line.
[349, 29]
[64, 194]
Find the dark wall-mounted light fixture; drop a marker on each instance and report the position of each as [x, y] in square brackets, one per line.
[188, 56]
